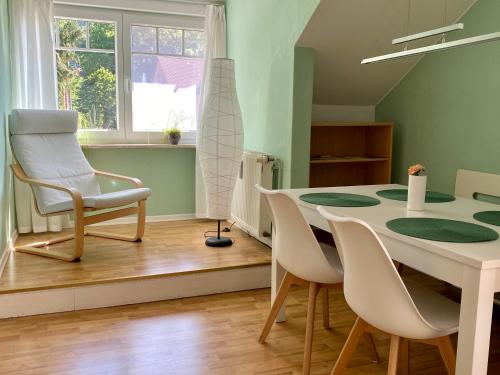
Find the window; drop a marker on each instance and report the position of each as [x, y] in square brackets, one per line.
[167, 66]
[129, 75]
[86, 71]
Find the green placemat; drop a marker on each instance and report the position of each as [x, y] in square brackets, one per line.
[339, 199]
[402, 195]
[488, 217]
[442, 230]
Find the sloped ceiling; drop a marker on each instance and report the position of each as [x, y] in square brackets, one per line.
[343, 32]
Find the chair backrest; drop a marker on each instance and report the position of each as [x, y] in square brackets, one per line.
[372, 286]
[294, 243]
[470, 183]
[44, 144]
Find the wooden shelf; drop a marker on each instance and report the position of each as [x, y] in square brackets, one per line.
[346, 159]
[357, 153]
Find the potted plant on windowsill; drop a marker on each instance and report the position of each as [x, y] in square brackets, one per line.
[172, 132]
[173, 135]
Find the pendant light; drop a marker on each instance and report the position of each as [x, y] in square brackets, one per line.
[443, 45]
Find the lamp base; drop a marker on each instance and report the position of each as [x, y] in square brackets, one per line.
[218, 241]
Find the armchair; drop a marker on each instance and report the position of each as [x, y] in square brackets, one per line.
[47, 156]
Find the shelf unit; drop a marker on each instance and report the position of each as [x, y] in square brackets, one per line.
[347, 154]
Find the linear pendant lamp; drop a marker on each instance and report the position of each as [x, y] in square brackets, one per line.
[436, 47]
[426, 34]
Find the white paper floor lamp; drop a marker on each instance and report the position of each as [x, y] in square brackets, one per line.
[221, 144]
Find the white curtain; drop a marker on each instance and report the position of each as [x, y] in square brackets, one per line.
[33, 86]
[215, 47]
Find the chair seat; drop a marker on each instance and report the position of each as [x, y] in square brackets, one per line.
[108, 200]
[440, 312]
[332, 255]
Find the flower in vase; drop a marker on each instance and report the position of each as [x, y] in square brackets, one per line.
[416, 170]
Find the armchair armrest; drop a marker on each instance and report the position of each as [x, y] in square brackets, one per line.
[135, 181]
[76, 196]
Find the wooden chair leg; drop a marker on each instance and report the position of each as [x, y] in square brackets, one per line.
[43, 248]
[350, 345]
[326, 308]
[311, 311]
[368, 338]
[393, 355]
[447, 353]
[404, 358]
[276, 306]
[141, 220]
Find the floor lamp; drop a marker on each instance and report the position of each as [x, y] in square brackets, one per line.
[221, 144]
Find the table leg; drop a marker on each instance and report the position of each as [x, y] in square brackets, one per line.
[475, 321]
[277, 274]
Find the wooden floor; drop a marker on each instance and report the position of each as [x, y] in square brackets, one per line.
[201, 335]
[168, 248]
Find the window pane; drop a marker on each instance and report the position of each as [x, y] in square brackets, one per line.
[86, 81]
[102, 35]
[166, 92]
[170, 41]
[143, 39]
[72, 33]
[193, 43]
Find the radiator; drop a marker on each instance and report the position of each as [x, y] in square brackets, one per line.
[249, 211]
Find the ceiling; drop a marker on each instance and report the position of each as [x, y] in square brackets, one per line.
[343, 32]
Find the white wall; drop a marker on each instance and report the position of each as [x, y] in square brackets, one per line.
[339, 113]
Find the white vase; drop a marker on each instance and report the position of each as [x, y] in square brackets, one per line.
[221, 139]
[416, 192]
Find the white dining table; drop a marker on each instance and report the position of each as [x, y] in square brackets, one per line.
[473, 267]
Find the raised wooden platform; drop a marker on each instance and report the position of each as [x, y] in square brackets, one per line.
[171, 261]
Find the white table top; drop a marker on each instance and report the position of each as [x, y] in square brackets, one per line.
[481, 255]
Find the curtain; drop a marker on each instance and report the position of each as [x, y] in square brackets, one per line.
[215, 47]
[33, 86]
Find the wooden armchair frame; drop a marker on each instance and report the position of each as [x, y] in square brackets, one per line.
[80, 220]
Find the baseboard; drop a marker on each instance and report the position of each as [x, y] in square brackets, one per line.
[149, 219]
[9, 247]
[134, 291]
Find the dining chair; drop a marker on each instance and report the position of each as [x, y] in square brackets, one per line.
[384, 303]
[306, 261]
[47, 156]
[469, 184]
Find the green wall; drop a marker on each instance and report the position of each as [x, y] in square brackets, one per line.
[5, 175]
[447, 109]
[303, 80]
[168, 172]
[261, 39]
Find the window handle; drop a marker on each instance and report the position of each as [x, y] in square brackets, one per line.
[128, 85]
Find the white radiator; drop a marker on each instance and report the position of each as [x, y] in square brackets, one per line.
[249, 210]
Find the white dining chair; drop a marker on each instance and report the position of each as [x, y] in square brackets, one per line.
[306, 262]
[469, 184]
[384, 303]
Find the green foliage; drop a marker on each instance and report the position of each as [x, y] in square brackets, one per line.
[102, 35]
[172, 131]
[68, 75]
[98, 104]
[87, 79]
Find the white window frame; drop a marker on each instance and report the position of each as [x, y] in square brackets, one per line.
[123, 55]
[70, 12]
[154, 20]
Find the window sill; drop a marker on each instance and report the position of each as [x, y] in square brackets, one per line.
[134, 145]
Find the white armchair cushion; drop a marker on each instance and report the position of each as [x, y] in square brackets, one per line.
[57, 159]
[45, 145]
[108, 200]
[36, 121]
